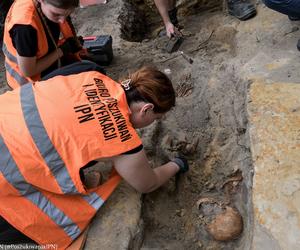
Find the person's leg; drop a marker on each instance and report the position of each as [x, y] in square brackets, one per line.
[75, 68]
[241, 9]
[10, 235]
[287, 7]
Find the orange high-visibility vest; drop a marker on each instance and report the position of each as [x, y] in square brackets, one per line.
[48, 131]
[24, 12]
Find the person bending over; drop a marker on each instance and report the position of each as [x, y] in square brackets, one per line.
[54, 128]
[32, 45]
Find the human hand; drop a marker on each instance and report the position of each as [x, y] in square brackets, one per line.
[182, 163]
[70, 46]
[80, 40]
[172, 30]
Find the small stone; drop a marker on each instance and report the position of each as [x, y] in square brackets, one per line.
[199, 243]
[167, 71]
[211, 186]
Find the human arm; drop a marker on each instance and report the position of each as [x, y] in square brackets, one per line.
[31, 66]
[164, 6]
[25, 41]
[136, 170]
[35, 66]
[75, 68]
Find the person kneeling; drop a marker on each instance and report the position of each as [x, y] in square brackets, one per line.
[54, 128]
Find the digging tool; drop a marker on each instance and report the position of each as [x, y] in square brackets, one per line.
[174, 43]
[187, 58]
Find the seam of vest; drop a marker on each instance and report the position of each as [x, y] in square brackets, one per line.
[34, 195]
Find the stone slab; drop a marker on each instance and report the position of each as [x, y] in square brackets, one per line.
[274, 118]
[117, 225]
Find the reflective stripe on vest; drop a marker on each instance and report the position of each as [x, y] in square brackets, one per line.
[23, 12]
[10, 56]
[94, 200]
[12, 174]
[20, 79]
[42, 141]
[46, 148]
[41, 130]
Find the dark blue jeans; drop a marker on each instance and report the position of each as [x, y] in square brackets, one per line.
[287, 7]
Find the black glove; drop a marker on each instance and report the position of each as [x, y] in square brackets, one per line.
[80, 40]
[182, 163]
[70, 46]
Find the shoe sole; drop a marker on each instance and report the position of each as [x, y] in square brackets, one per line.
[250, 13]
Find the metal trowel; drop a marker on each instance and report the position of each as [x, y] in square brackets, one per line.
[174, 43]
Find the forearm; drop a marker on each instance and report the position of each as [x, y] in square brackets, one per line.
[163, 174]
[136, 170]
[163, 7]
[33, 66]
[46, 61]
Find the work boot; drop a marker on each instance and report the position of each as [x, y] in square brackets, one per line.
[241, 9]
[294, 18]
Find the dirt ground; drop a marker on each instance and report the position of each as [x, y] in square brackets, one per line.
[208, 124]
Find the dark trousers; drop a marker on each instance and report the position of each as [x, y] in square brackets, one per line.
[10, 235]
[287, 7]
[75, 68]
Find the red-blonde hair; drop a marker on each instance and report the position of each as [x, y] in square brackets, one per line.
[151, 85]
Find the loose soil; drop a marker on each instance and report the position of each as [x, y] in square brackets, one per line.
[208, 124]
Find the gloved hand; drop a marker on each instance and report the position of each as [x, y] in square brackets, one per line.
[81, 40]
[70, 46]
[182, 163]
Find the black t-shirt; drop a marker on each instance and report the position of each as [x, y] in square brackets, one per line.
[25, 40]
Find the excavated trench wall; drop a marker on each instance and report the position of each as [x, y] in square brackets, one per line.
[208, 125]
[140, 19]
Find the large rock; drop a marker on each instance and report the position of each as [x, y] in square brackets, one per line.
[274, 114]
[117, 225]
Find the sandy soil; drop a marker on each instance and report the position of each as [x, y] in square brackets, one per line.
[208, 124]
